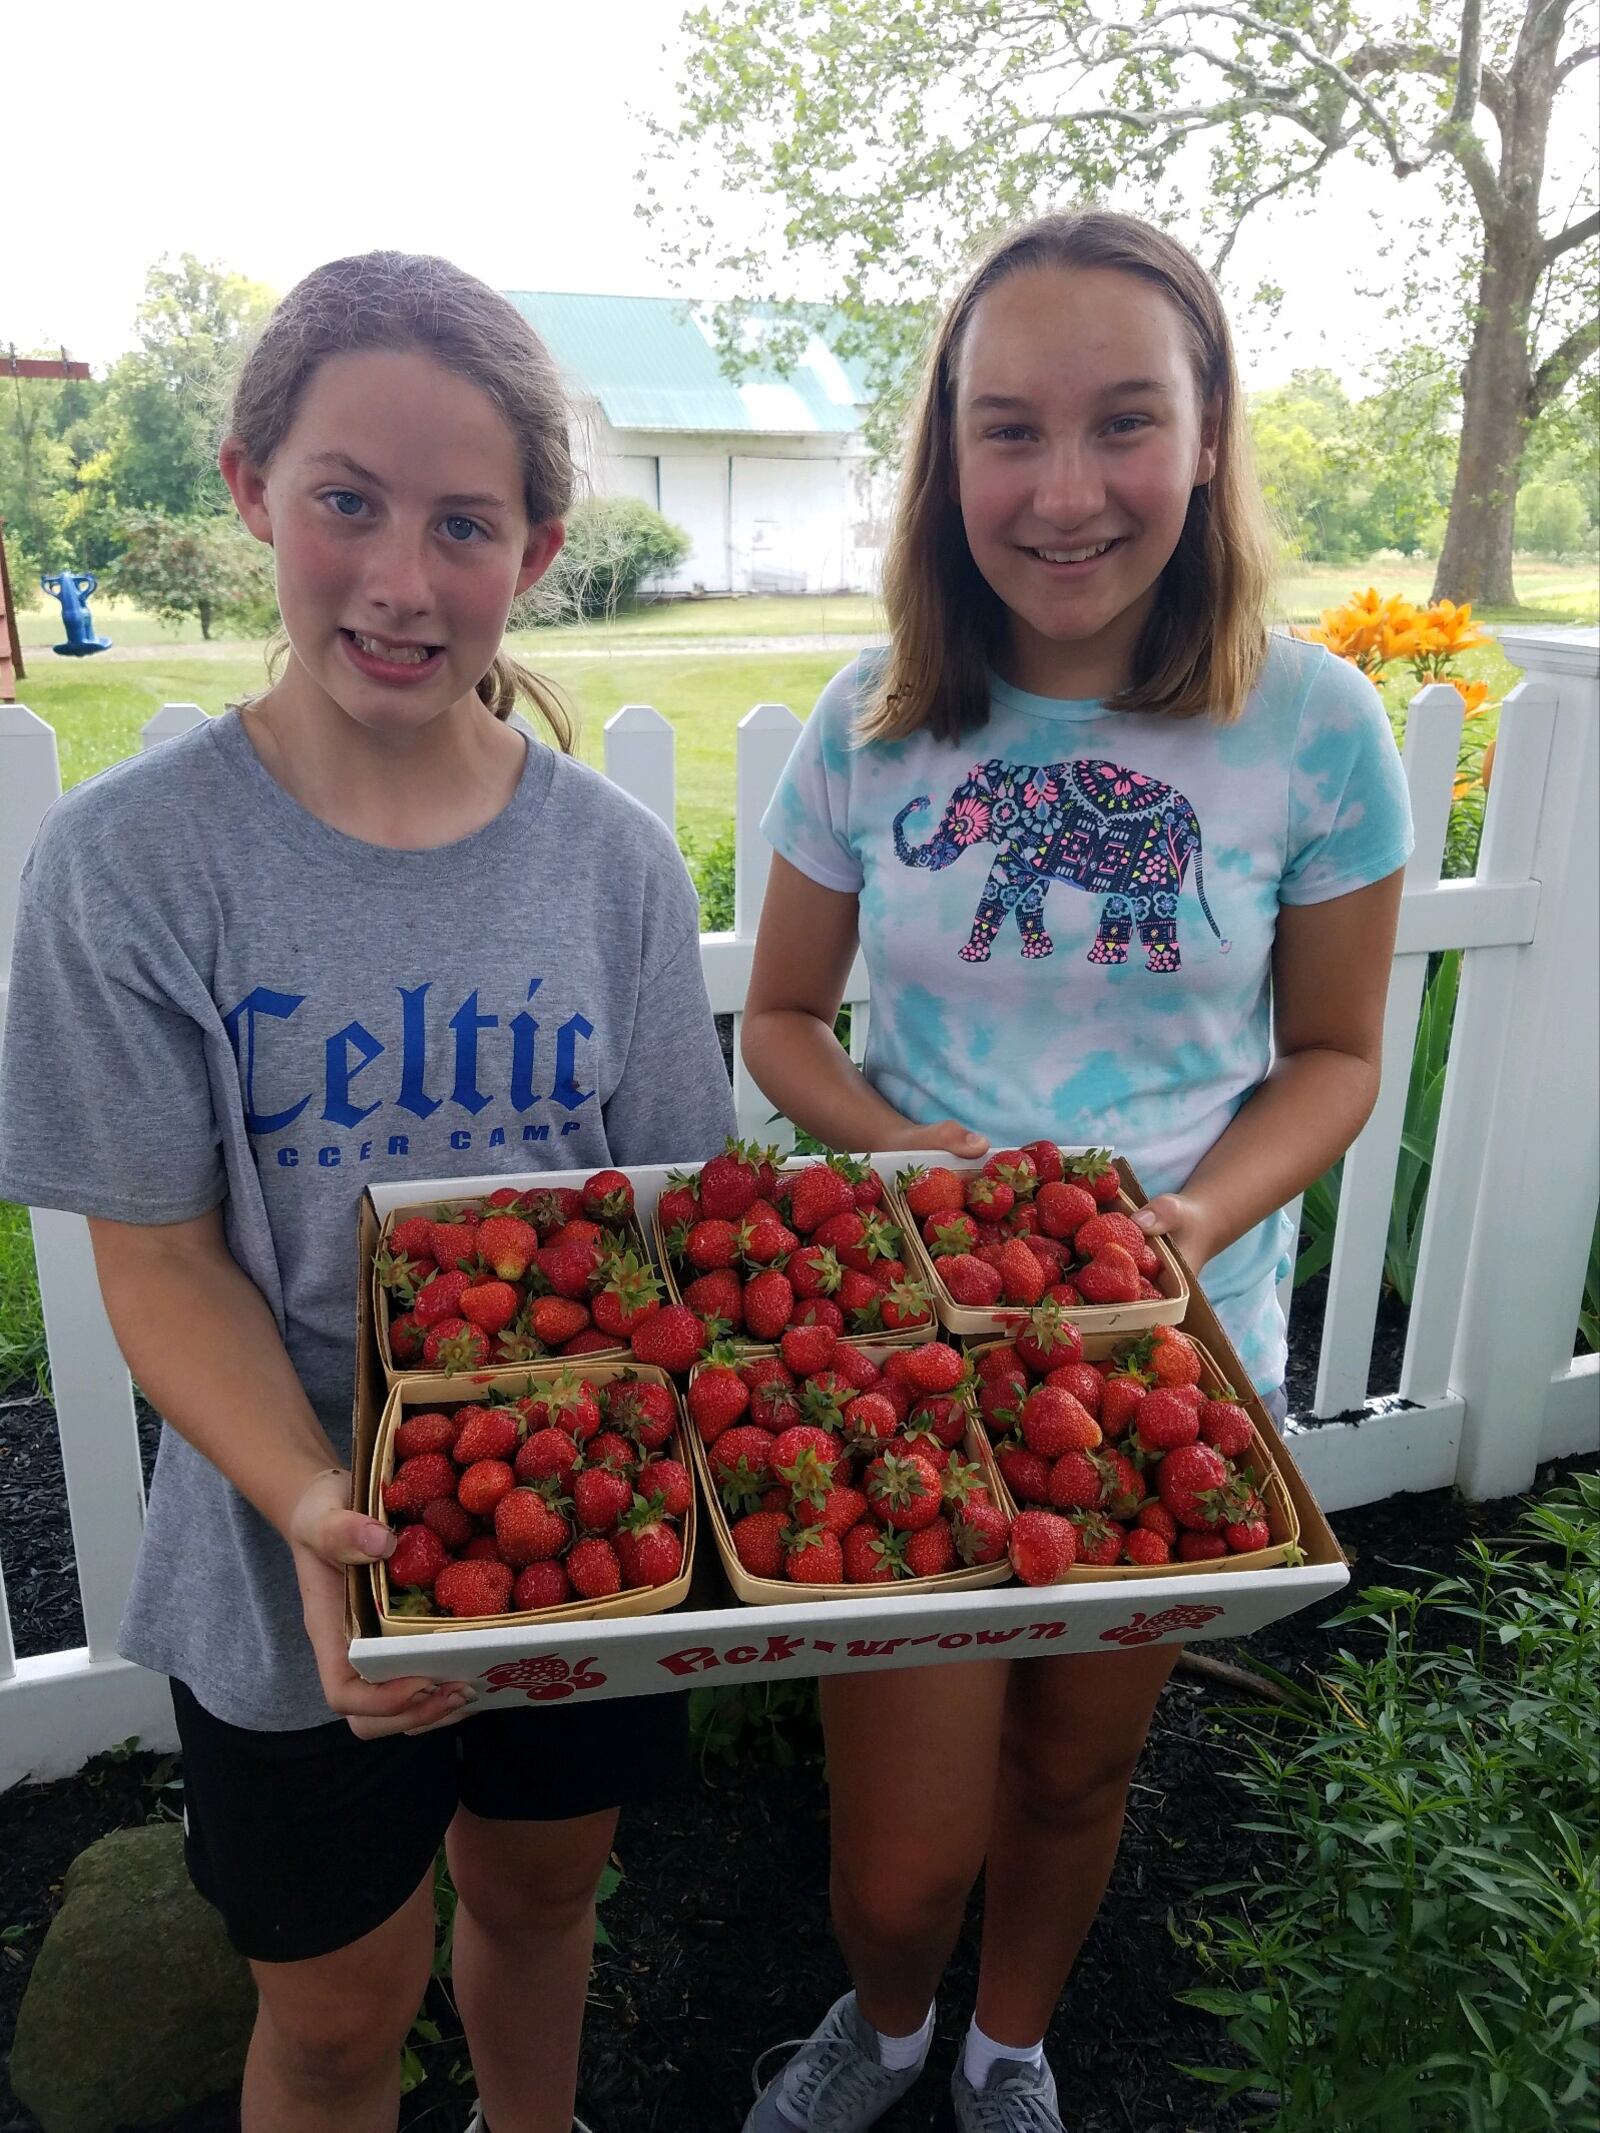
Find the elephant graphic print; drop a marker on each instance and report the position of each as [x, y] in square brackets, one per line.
[1096, 826]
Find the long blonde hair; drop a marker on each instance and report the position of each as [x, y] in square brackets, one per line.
[404, 300]
[1202, 649]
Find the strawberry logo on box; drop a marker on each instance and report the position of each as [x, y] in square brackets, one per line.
[1147, 1629]
[545, 1679]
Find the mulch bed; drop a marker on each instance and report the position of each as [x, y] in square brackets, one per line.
[719, 1928]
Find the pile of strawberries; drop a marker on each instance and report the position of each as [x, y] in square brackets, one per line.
[1128, 1462]
[1032, 1225]
[756, 1249]
[832, 1468]
[549, 1270]
[569, 1492]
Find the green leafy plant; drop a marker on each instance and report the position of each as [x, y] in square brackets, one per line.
[613, 544]
[206, 567]
[1589, 1314]
[756, 1722]
[711, 869]
[23, 1360]
[1416, 1949]
[1424, 1094]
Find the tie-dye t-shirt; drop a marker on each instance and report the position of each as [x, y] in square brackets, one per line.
[1067, 917]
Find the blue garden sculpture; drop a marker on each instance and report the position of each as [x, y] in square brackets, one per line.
[72, 588]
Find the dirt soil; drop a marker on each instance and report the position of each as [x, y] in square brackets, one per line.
[719, 1927]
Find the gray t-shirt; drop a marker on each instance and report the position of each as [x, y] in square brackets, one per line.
[216, 998]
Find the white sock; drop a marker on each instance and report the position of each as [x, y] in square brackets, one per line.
[897, 2053]
[982, 2052]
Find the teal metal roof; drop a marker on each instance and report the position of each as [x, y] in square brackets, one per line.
[652, 363]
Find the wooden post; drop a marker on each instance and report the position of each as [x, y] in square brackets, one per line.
[11, 668]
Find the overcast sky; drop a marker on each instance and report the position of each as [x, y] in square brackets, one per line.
[503, 133]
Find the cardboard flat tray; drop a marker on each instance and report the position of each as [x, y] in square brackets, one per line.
[1266, 1451]
[996, 1319]
[782, 1592]
[909, 1336]
[414, 1393]
[712, 1638]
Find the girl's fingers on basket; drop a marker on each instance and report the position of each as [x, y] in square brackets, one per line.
[372, 1707]
[952, 1137]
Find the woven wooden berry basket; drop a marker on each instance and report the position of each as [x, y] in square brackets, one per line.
[782, 1592]
[394, 1372]
[1283, 1521]
[915, 1259]
[415, 1392]
[1114, 1320]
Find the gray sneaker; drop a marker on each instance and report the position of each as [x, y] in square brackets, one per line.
[836, 2081]
[1016, 2098]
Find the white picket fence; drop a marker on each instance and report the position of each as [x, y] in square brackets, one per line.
[1488, 1387]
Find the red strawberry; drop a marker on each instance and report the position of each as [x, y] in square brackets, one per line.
[402, 1277]
[907, 1304]
[842, 1508]
[507, 1244]
[426, 1432]
[539, 1586]
[1049, 1340]
[1170, 1357]
[679, 1202]
[819, 1311]
[412, 1237]
[758, 1541]
[452, 1242]
[990, 1198]
[808, 1349]
[441, 1296]
[935, 1367]
[857, 1368]
[1154, 1516]
[482, 1486]
[971, 1283]
[406, 1336]
[931, 1551]
[774, 1407]
[1096, 1170]
[416, 1482]
[814, 1556]
[1124, 1395]
[528, 1528]
[904, 1490]
[1196, 1547]
[765, 1241]
[718, 1396]
[503, 1196]
[1022, 1278]
[1076, 1483]
[482, 1548]
[1187, 1478]
[1048, 1167]
[729, 1184]
[486, 1433]
[1124, 1484]
[1140, 1544]
[642, 1407]
[546, 1453]
[600, 1495]
[419, 1555]
[1164, 1421]
[718, 1295]
[709, 1244]
[744, 1450]
[569, 1264]
[670, 1338]
[944, 1414]
[982, 1531]
[1013, 1167]
[1111, 1278]
[1226, 1425]
[1099, 1540]
[1063, 1209]
[805, 1437]
[552, 1208]
[454, 1346]
[1042, 1547]
[1250, 1530]
[1025, 1474]
[649, 1549]
[932, 1192]
[872, 1556]
[448, 1520]
[768, 1305]
[1053, 1422]
[593, 1567]
[474, 1588]
[949, 1236]
[607, 1196]
[871, 1414]
[813, 1271]
[668, 1479]
[1111, 1227]
[555, 1319]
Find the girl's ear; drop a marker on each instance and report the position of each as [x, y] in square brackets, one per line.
[543, 546]
[247, 485]
[1205, 465]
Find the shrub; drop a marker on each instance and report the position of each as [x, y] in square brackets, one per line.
[1417, 1947]
[210, 568]
[613, 544]
[711, 869]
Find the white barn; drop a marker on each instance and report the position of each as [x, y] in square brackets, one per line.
[769, 475]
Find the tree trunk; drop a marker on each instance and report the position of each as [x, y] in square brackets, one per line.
[1475, 563]
[203, 608]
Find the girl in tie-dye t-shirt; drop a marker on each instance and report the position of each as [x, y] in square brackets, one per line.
[1125, 869]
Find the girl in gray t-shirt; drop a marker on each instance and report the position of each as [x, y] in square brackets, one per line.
[363, 928]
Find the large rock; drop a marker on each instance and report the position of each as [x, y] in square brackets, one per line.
[137, 2005]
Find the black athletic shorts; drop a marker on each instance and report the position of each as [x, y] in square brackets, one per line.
[305, 1841]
